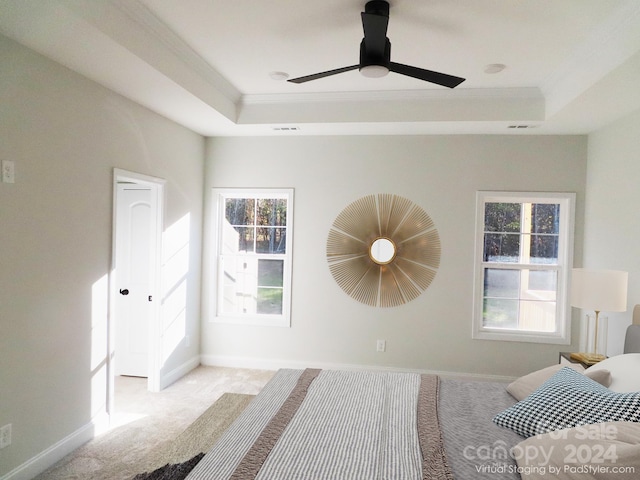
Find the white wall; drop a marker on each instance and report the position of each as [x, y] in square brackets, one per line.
[439, 173]
[612, 221]
[65, 135]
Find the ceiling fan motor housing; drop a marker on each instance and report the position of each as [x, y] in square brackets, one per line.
[377, 7]
[373, 53]
[368, 58]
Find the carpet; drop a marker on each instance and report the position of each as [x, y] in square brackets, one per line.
[125, 452]
[202, 434]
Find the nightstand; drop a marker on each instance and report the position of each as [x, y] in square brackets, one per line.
[565, 357]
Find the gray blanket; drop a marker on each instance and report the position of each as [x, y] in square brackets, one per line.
[476, 448]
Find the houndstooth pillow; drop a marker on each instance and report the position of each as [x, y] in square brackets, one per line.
[568, 399]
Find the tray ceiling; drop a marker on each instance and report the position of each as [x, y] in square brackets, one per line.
[571, 66]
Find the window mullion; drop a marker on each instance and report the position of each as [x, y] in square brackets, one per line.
[255, 225]
[522, 266]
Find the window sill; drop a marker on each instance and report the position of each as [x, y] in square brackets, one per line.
[257, 321]
[512, 336]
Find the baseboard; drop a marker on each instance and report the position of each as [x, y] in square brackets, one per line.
[275, 364]
[177, 373]
[45, 459]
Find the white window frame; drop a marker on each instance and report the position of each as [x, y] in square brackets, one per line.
[218, 208]
[562, 335]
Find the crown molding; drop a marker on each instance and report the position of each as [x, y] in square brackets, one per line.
[530, 93]
[159, 30]
[484, 105]
[133, 28]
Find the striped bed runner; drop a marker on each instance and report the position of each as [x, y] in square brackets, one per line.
[334, 425]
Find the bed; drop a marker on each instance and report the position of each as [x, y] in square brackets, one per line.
[335, 425]
[344, 424]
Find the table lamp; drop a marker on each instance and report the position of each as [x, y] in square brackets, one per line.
[598, 290]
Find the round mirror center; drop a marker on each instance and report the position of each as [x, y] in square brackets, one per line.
[382, 251]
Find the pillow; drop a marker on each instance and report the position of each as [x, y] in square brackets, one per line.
[602, 376]
[568, 399]
[625, 372]
[602, 450]
[525, 386]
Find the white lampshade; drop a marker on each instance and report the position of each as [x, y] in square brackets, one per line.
[599, 290]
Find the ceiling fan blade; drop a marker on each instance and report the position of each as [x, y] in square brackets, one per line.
[328, 73]
[375, 33]
[426, 75]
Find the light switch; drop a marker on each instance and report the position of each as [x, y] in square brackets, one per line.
[8, 171]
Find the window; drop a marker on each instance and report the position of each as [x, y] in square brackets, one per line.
[523, 260]
[253, 261]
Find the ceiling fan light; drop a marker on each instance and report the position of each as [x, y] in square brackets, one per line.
[374, 71]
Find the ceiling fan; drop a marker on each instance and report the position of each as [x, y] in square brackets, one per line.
[375, 52]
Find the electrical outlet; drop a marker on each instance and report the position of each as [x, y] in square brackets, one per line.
[381, 345]
[5, 436]
[8, 171]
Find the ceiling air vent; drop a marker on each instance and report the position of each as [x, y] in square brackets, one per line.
[522, 126]
[285, 129]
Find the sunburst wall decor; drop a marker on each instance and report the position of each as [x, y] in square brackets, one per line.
[383, 250]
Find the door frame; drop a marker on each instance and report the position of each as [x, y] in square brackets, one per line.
[157, 187]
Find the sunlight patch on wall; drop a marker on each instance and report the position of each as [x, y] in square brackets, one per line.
[175, 269]
[174, 320]
[99, 333]
[175, 254]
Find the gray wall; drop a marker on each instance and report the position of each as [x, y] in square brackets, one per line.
[612, 225]
[439, 173]
[66, 134]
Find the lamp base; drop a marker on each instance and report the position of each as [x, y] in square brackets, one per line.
[588, 358]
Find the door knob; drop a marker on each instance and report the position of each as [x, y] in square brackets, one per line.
[124, 291]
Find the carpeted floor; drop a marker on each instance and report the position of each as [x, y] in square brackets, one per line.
[158, 428]
[202, 434]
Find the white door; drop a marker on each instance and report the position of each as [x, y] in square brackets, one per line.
[134, 273]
